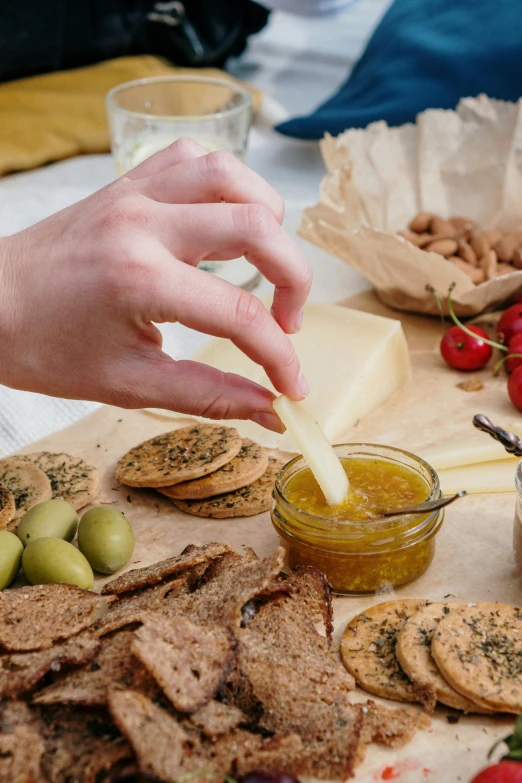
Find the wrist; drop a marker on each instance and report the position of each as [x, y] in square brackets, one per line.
[9, 306]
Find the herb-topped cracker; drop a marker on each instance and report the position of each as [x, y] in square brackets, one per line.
[368, 650]
[478, 649]
[180, 455]
[71, 478]
[7, 507]
[246, 467]
[245, 502]
[414, 655]
[27, 483]
[189, 662]
[33, 618]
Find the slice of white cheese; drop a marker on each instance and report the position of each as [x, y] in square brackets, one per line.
[474, 448]
[353, 361]
[497, 476]
[315, 448]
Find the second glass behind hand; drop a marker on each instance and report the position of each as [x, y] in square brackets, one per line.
[147, 115]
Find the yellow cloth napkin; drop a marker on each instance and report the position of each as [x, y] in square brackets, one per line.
[58, 115]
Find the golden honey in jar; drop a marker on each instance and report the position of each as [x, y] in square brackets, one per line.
[358, 549]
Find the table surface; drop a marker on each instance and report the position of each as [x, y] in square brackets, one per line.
[297, 62]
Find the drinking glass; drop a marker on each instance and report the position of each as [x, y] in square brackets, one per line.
[146, 115]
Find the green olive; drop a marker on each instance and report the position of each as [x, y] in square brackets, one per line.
[106, 539]
[51, 519]
[10, 557]
[53, 560]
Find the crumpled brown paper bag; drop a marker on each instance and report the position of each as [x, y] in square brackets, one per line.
[466, 162]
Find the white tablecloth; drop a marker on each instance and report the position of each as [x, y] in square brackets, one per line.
[297, 63]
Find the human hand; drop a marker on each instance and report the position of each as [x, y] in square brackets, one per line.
[80, 291]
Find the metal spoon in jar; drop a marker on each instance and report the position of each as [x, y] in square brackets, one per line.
[511, 442]
[421, 508]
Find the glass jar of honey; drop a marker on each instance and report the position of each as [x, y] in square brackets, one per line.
[517, 524]
[358, 549]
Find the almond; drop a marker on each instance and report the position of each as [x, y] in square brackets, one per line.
[480, 245]
[421, 222]
[445, 247]
[490, 265]
[461, 224]
[517, 257]
[492, 237]
[440, 226]
[505, 269]
[507, 246]
[466, 252]
[476, 275]
[415, 239]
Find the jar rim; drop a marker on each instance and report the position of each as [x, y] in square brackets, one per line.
[317, 522]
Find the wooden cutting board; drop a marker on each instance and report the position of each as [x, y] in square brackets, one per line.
[473, 561]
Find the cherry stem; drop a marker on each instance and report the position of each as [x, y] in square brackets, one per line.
[499, 364]
[438, 303]
[469, 331]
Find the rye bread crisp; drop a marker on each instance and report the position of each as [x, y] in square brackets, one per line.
[72, 478]
[392, 727]
[21, 744]
[33, 618]
[216, 718]
[227, 585]
[368, 651]
[7, 507]
[413, 652]
[113, 666]
[189, 662]
[139, 578]
[181, 455]
[246, 467]
[478, 649]
[245, 502]
[130, 608]
[27, 483]
[82, 746]
[19, 672]
[287, 680]
[167, 749]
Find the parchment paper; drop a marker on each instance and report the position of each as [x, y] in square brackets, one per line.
[473, 562]
[466, 162]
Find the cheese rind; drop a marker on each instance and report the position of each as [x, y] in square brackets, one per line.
[353, 361]
[497, 476]
[315, 448]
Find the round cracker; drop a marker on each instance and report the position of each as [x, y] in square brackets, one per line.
[181, 455]
[71, 478]
[245, 502]
[7, 507]
[27, 483]
[246, 467]
[413, 652]
[478, 649]
[368, 650]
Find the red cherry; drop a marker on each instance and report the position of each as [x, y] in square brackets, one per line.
[510, 323]
[503, 772]
[515, 388]
[515, 346]
[464, 352]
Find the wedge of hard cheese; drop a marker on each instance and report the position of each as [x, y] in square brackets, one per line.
[353, 362]
[497, 476]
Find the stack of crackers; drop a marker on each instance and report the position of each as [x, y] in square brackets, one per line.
[465, 656]
[29, 479]
[205, 470]
[210, 660]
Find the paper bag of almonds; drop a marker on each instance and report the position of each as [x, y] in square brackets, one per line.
[431, 204]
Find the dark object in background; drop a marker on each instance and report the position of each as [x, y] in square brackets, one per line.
[40, 37]
[425, 54]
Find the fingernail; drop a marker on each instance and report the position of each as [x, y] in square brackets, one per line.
[268, 420]
[299, 321]
[302, 385]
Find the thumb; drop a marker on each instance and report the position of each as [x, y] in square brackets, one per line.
[196, 389]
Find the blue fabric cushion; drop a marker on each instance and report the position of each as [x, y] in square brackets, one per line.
[425, 54]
